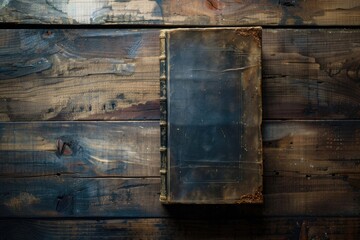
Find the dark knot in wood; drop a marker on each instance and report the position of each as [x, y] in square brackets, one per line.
[66, 147]
[65, 204]
[48, 34]
[287, 3]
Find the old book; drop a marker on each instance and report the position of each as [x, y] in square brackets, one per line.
[210, 103]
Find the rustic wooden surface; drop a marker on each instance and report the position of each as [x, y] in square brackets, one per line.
[185, 12]
[306, 163]
[78, 74]
[75, 149]
[250, 228]
[100, 170]
[66, 75]
[311, 74]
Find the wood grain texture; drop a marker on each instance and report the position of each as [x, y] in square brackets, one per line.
[188, 12]
[90, 149]
[311, 168]
[114, 74]
[79, 197]
[313, 148]
[78, 74]
[63, 169]
[311, 74]
[139, 197]
[251, 228]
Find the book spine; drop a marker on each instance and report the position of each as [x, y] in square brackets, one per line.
[163, 117]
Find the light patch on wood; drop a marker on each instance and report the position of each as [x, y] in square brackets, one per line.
[4, 117]
[331, 17]
[204, 12]
[10, 143]
[21, 201]
[4, 3]
[81, 67]
[135, 11]
[83, 11]
[271, 17]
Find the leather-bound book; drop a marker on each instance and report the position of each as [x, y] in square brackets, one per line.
[210, 100]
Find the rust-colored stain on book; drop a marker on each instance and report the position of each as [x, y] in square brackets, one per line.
[210, 102]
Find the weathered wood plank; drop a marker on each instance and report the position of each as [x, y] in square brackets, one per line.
[306, 163]
[189, 12]
[79, 149]
[311, 74]
[317, 148]
[139, 197]
[61, 197]
[78, 74]
[93, 149]
[251, 228]
[312, 164]
[114, 74]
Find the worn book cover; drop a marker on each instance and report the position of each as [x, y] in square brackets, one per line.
[210, 103]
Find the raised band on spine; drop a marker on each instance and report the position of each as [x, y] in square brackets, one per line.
[163, 117]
